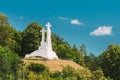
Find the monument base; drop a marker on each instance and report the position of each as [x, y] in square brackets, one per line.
[44, 53]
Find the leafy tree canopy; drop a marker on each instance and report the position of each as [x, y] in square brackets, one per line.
[83, 50]
[6, 33]
[110, 61]
[8, 62]
[3, 19]
[31, 38]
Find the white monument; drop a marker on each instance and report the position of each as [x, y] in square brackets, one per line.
[45, 50]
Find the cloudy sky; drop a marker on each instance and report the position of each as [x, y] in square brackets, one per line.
[96, 23]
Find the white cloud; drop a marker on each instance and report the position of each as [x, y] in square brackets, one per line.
[76, 22]
[63, 18]
[21, 17]
[102, 31]
[72, 21]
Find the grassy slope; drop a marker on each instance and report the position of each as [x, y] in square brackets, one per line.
[53, 65]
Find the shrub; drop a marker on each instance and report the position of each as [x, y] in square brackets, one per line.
[37, 68]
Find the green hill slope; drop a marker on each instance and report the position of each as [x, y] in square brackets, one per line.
[53, 65]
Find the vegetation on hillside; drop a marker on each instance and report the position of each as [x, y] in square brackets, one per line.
[15, 44]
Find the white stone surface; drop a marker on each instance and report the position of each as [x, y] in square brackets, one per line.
[45, 50]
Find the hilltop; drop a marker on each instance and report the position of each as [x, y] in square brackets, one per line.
[53, 65]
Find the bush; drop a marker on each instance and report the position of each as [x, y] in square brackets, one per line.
[8, 62]
[56, 74]
[37, 68]
[68, 71]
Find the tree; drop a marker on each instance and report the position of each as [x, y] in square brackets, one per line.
[31, 38]
[110, 62]
[56, 41]
[69, 73]
[17, 38]
[8, 62]
[77, 56]
[83, 50]
[98, 75]
[3, 19]
[91, 61]
[64, 51]
[6, 33]
[61, 47]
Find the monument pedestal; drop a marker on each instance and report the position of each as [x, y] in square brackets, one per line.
[45, 50]
[44, 53]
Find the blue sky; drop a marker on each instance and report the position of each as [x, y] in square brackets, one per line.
[96, 23]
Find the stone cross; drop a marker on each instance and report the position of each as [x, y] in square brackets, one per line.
[45, 50]
[48, 25]
[43, 34]
[48, 39]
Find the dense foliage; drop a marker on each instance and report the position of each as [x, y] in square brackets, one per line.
[14, 43]
[31, 38]
[8, 63]
[110, 61]
[38, 68]
[68, 73]
[6, 33]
